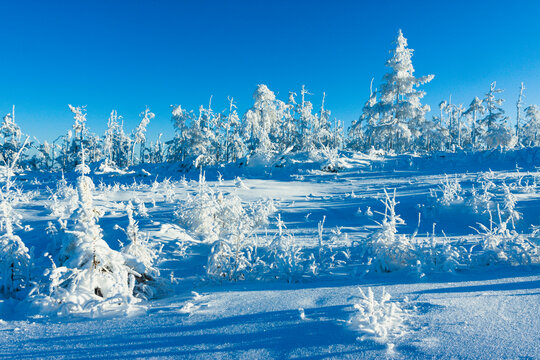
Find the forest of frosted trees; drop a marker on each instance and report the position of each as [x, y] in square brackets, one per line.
[393, 119]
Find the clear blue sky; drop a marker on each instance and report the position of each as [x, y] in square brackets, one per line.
[125, 55]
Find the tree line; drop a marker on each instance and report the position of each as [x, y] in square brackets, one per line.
[393, 119]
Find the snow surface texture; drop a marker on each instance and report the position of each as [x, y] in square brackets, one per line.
[232, 263]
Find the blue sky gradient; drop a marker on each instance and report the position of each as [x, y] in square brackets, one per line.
[125, 55]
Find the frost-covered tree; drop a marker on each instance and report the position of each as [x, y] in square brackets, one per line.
[313, 130]
[495, 124]
[79, 132]
[306, 123]
[46, 155]
[139, 135]
[233, 143]
[436, 136]
[326, 134]
[531, 129]
[476, 108]
[361, 131]
[116, 144]
[11, 138]
[15, 258]
[263, 121]
[196, 139]
[178, 146]
[519, 106]
[156, 151]
[204, 137]
[398, 110]
[456, 126]
[91, 277]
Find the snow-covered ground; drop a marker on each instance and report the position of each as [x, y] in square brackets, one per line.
[466, 302]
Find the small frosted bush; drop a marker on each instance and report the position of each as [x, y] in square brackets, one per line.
[215, 216]
[389, 251]
[499, 245]
[451, 191]
[383, 321]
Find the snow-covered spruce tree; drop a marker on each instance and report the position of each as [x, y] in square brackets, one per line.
[322, 133]
[476, 108]
[139, 135]
[531, 129]
[495, 124]
[64, 158]
[398, 110]
[289, 130]
[15, 259]
[107, 142]
[91, 278]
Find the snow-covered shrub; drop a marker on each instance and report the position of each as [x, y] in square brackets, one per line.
[214, 216]
[63, 200]
[329, 158]
[510, 202]
[168, 190]
[233, 259]
[141, 208]
[389, 251]
[230, 225]
[15, 264]
[259, 212]
[499, 245]
[527, 186]
[108, 167]
[383, 321]
[330, 252]
[286, 259]
[139, 250]
[451, 191]
[481, 200]
[439, 255]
